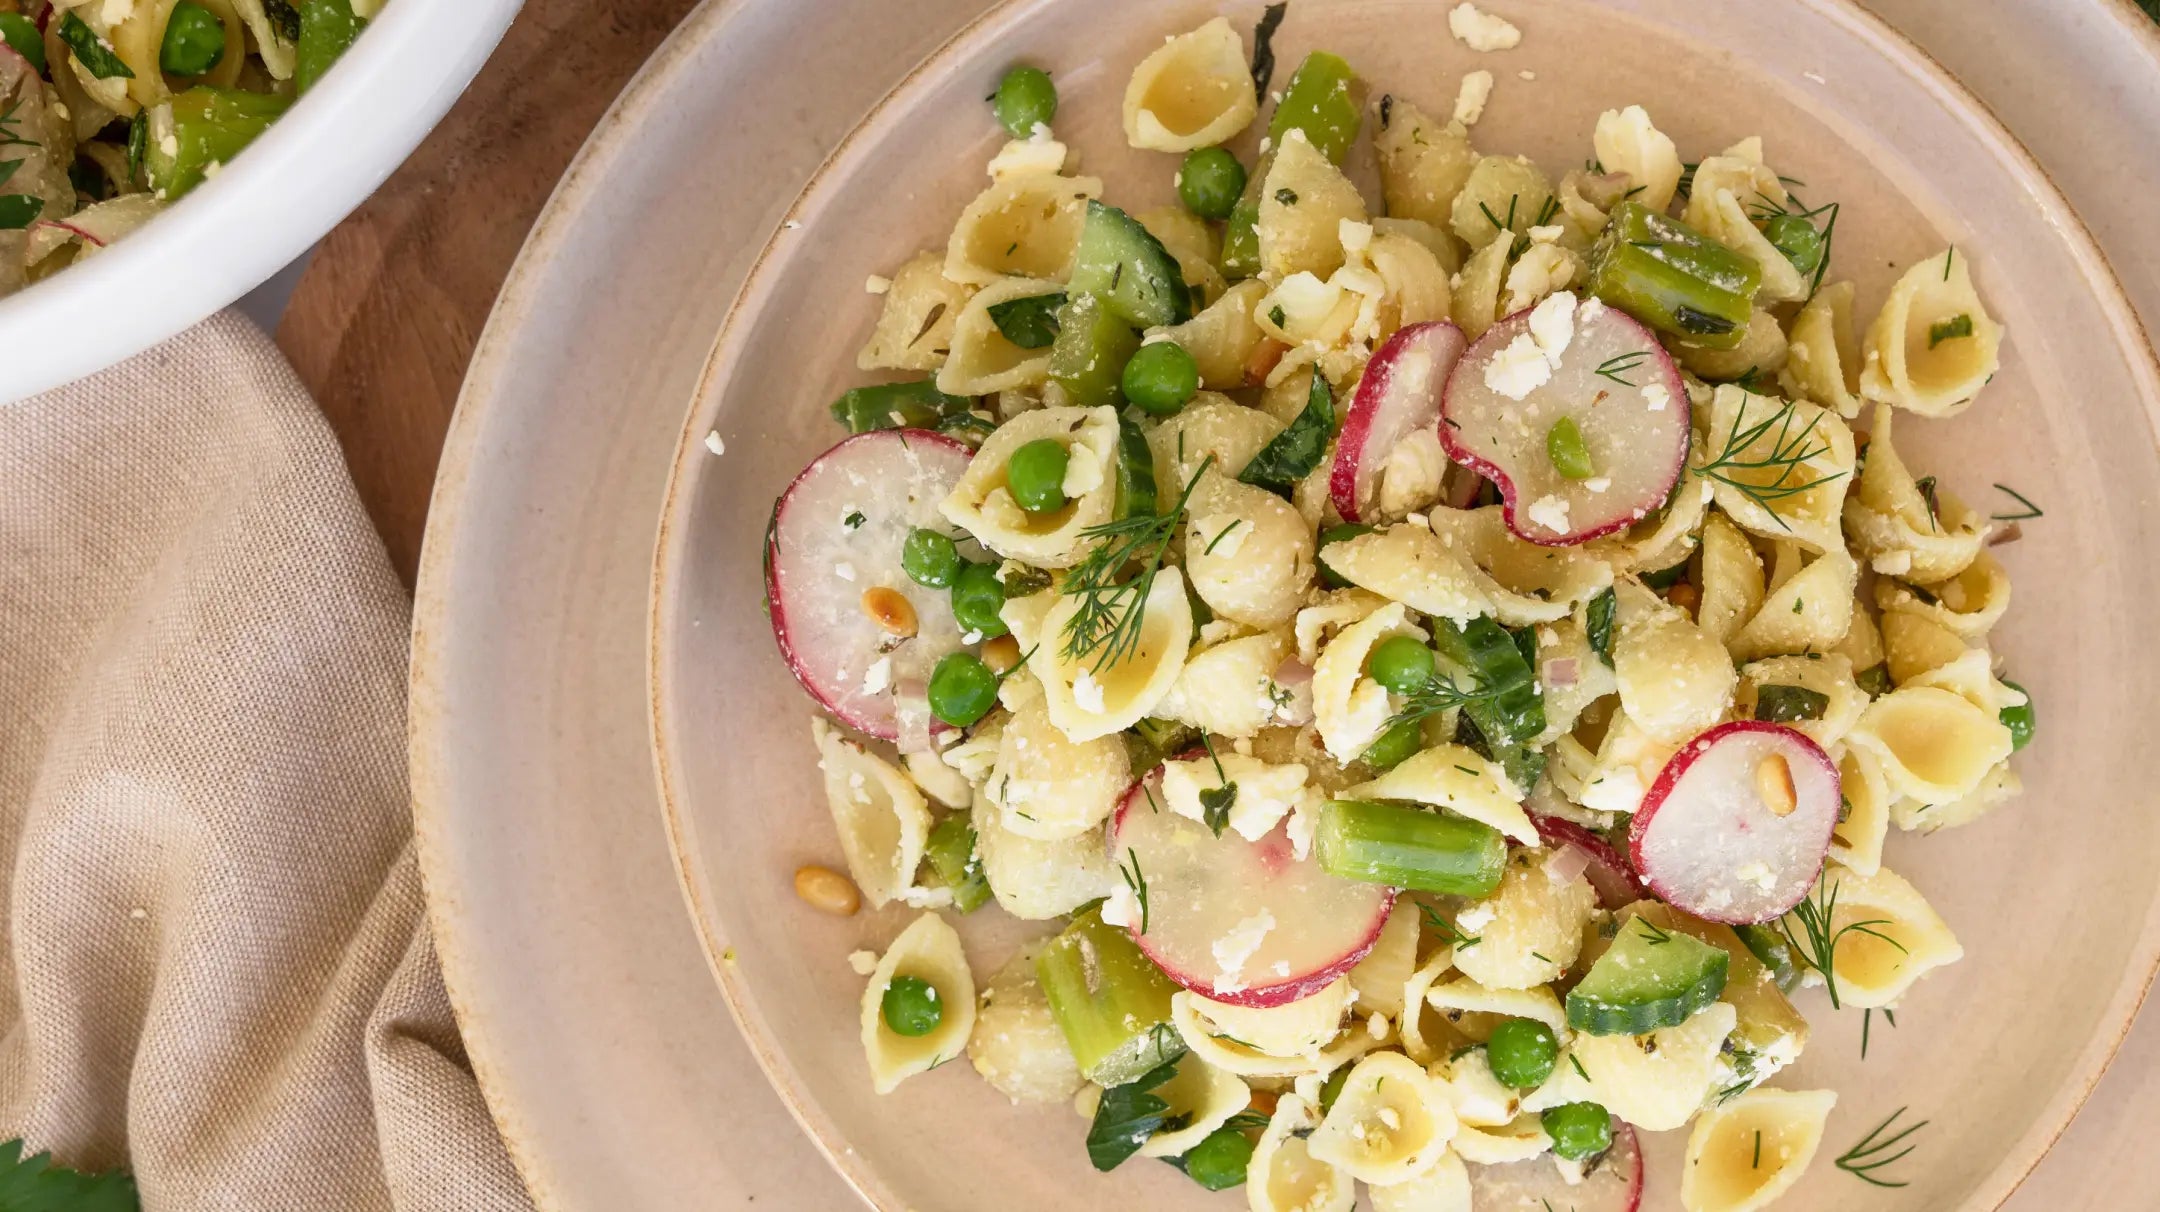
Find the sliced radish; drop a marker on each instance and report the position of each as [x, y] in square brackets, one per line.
[1587, 364]
[1535, 1185]
[1248, 923]
[835, 534]
[1737, 824]
[1607, 872]
[1398, 395]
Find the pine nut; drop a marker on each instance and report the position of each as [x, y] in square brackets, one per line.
[1685, 596]
[1773, 782]
[827, 891]
[1265, 354]
[1001, 654]
[889, 608]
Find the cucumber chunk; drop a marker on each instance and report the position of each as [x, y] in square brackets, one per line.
[1136, 495]
[1649, 979]
[1093, 345]
[1129, 269]
[1510, 721]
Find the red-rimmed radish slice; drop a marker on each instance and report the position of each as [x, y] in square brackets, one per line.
[1398, 395]
[1248, 923]
[1737, 824]
[1535, 1185]
[1606, 870]
[837, 532]
[1587, 364]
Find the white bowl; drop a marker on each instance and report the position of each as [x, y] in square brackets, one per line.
[310, 170]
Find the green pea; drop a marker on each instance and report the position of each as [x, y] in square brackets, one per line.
[930, 558]
[2020, 720]
[977, 596]
[1579, 1131]
[1401, 663]
[1798, 239]
[1569, 453]
[1220, 1160]
[194, 40]
[21, 33]
[1336, 534]
[1036, 475]
[1161, 377]
[1025, 99]
[1209, 182]
[1395, 746]
[1522, 1052]
[911, 1006]
[962, 689]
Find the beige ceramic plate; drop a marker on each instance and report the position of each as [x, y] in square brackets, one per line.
[2054, 900]
[605, 1047]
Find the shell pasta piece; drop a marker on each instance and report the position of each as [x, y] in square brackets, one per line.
[1443, 1186]
[1350, 708]
[1202, 1098]
[982, 503]
[1796, 446]
[1935, 745]
[1024, 225]
[1086, 694]
[1657, 1081]
[1017, 1046]
[1300, 1028]
[1858, 839]
[1459, 779]
[1627, 142]
[1048, 786]
[1933, 343]
[882, 820]
[914, 328]
[1822, 361]
[1247, 552]
[1379, 978]
[1302, 206]
[1034, 880]
[1896, 936]
[1675, 681]
[1389, 1123]
[1745, 1153]
[927, 951]
[974, 356]
[1534, 930]
[1194, 90]
[1777, 678]
[1527, 583]
[1411, 565]
[1903, 529]
[1284, 1176]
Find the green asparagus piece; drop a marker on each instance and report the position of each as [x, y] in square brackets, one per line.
[1409, 847]
[913, 405]
[1673, 278]
[1092, 347]
[201, 129]
[951, 851]
[1110, 1000]
[328, 28]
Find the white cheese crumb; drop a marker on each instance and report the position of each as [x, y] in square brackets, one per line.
[1552, 325]
[1235, 949]
[1592, 308]
[971, 637]
[1122, 909]
[170, 145]
[1657, 396]
[1548, 234]
[844, 570]
[1817, 77]
[1389, 1118]
[926, 898]
[1083, 471]
[1471, 96]
[876, 284]
[1527, 74]
[1304, 825]
[1377, 1026]
[714, 444]
[1482, 31]
[1892, 563]
[1356, 237]
[1550, 512]
[1476, 918]
[1518, 369]
[1598, 483]
[863, 962]
[1087, 693]
[879, 676]
[1037, 155]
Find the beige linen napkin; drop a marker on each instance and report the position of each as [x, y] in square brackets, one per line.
[217, 968]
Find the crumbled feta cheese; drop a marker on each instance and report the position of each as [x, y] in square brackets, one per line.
[1235, 949]
[844, 570]
[1476, 917]
[926, 898]
[169, 145]
[1482, 31]
[714, 444]
[1548, 234]
[1122, 908]
[971, 637]
[1083, 471]
[1598, 483]
[1592, 308]
[1657, 396]
[1265, 793]
[1389, 1118]
[1471, 96]
[1305, 300]
[1377, 1026]
[1518, 369]
[1550, 512]
[879, 676]
[1087, 693]
[863, 962]
[1892, 563]
[1356, 237]
[1037, 155]
[1552, 325]
[1304, 824]
[876, 284]
[1527, 74]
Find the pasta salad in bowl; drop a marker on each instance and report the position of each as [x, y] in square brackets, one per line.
[1431, 643]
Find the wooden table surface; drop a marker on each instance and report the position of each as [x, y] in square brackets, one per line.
[384, 320]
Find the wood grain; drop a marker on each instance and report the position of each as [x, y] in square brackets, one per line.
[383, 322]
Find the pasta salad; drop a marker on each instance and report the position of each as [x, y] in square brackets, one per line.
[1442, 661]
[112, 109]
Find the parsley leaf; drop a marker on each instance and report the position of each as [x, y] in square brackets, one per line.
[1127, 1116]
[36, 1184]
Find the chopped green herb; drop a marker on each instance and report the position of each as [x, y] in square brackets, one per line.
[1128, 1115]
[94, 53]
[2028, 510]
[1960, 325]
[1872, 1154]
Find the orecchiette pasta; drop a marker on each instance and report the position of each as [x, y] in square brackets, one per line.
[1857, 841]
[1627, 142]
[1022, 226]
[1811, 610]
[1223, 338]
[1443, 1187]
[1823, 355]
[1233, 1055]
[1378, 979]
[1801, 443]
[982, 504]
[1247, 552]
[1411, 565]
[1745, 1153]
[1472, 1008]
[1089, 696]
[1502, 195]
[1017, 1046]
[1923, 537]
[1194, 90]
[1458, 779]
[1935, 746]
[928, 951]
[880, 816]
[1526, 583]
[1238, 687]
[1048, 786]
[1284, 1176]
[1202, 1098]
[1657, 1081]
[1675, 681]
[1830, 676]
[1933, 343]
[1034, 880]
[1304, 1027]
[1389, 1123]
[1535, 927]
[1349, 708]
[1423, 163]
[915, 328]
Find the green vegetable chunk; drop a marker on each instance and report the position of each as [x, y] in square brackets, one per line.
[1209, 182]
[1025, 99]
[1136, 277]
[1522, 1052]
[1408, 847]
[1161, 378]
[1401, 663]
[1220, 1160]
[204, 127]
[1325, 100]
[1331, 1089]
[1790, 704]
[1293, 454]
[930, 558]
[21, 33]
[1513, 715]
[910, 1007]
[915, 405]
[1959, 325]
[977, 596]
[194, 40]
[1800, 241]
[1769, 944]
[328, 28]
[1569, 453]
[1036, 475]
[962, 689]
[1093, 345]
[1336, 534]
[1666, 578]
[1394, 746]
[1598, 624]
[1649, 979]
[1135, 473]
[1126, 1116]
[2020, 720]
[1579, 1131]
[94, 53]
[1031, 322]
[1875, 679]
[951, 851]
[1111, 1002]
[1673, 278]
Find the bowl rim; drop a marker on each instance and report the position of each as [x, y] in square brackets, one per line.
[313, 167]
[671, 549]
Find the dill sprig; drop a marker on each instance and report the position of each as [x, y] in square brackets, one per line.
[1442, 693]
[1789, 451]
[2030, 510]
[1617, 367]
[1135, 880]
[1817, 916]
[1867, 1021]
[1652, 932]
[1113, 609]
[1873, 1152]
[1448, 930]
